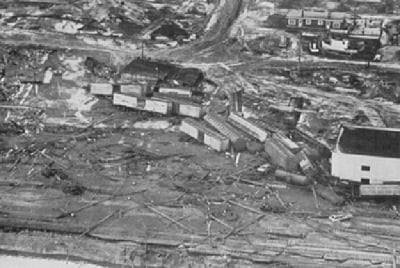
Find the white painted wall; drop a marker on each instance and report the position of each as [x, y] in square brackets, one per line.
[125, 100]
[348, 167]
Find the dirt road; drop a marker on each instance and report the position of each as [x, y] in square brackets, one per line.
[222, 20]
[113, 51]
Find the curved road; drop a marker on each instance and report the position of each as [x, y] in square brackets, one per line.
[227, 11]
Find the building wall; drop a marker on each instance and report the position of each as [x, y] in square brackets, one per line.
[292, 22]
[314, 23]
[349, 167]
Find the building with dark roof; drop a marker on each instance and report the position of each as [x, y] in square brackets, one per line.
[162, 71]
[367, 155]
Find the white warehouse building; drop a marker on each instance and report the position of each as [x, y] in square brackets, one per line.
[367, 155]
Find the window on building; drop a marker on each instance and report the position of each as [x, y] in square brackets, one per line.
[308, 22]
[292, 22]
[364, 181]
[320, 22]
[365, 168]
[336, 25]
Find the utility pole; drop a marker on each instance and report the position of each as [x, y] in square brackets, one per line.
[142, 51]
[299, 53]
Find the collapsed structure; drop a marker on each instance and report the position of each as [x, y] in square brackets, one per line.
[143, 190]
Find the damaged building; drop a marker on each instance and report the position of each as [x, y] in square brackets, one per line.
[117, 150]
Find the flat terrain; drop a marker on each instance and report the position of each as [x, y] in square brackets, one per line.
[86, 180]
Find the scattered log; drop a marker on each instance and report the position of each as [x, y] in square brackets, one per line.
[97, 224]
[72, 212]
[315, 197]
[276, 194]
[221, 222]
[242, 227]
[246, 207]
[184, 227]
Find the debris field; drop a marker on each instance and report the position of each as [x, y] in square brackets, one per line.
[222, 159]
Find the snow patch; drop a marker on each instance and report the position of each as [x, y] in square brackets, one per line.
[157, 125]
[69, 27]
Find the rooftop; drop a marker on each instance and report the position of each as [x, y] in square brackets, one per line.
[165, 70]
[381, 142]
[340, 15]
[316, 14]
[295, 13]
[298, 13]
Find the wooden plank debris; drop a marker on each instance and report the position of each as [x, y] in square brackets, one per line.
[153, 209]
[71, 213]
[100, 222]
[244, 226]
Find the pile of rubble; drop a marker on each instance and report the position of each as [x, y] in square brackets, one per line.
[293, 157]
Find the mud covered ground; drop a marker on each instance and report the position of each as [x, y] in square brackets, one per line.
[85, 180]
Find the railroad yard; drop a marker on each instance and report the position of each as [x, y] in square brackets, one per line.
[182, 134]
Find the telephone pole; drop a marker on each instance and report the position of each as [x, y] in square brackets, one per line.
[299, 53]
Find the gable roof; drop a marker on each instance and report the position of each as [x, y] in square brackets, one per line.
[295, 13]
